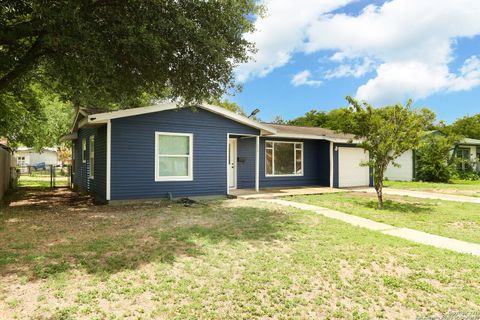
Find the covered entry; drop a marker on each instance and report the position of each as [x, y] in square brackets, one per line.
[243, 162]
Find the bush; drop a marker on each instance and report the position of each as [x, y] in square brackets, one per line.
[434, 159]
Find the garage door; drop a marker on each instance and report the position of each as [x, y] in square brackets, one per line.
[350, 173]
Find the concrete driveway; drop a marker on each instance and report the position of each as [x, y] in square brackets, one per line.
[421, 194]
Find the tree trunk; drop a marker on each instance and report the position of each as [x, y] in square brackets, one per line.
[378, 181]
[379, 190]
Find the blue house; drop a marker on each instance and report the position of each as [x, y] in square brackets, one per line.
[170, 151]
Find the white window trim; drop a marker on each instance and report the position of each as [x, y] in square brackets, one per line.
[189, 177]
[91, 173]
[273, 159]
[84, 149]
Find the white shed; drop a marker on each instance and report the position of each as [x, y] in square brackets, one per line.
[405, 171]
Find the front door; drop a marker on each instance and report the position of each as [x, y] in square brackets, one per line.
[232, 163]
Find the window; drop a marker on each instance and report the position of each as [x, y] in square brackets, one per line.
[463, 154]
[21, 161]
[173, 156]
[92, 157]
[283, 158]
[84, 150]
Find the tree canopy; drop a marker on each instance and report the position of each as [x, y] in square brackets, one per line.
[468, 126]
[341, 119]
[117, 54]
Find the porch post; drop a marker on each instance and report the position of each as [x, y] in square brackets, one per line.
[257, 163]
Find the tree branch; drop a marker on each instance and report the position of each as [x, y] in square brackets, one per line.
[11, 34]
[26, 62]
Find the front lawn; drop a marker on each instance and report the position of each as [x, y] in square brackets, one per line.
[63, 258]
[446, 218]
[459, 187]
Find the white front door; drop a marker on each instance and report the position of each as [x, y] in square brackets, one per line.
[232, 163]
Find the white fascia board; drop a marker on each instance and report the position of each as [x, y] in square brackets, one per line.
[103, 117]
[75, 121]
[238, 118]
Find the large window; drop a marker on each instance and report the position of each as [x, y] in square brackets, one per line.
[283, 158]
[92, 157]
[173, 156]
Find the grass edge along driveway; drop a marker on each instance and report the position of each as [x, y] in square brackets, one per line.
[456, 187]
[455, 220]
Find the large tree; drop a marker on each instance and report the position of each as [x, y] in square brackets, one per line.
[468, 126]
[118, 53]
[385, 133]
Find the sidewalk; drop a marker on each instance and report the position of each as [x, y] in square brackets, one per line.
[421, 194]
[405, 233]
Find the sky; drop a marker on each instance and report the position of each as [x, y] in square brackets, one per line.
[312, 53]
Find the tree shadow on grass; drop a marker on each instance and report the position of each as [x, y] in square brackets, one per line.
[130, 237]
[401, 207]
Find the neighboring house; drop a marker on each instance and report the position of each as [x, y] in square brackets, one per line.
[31, 157]
[467, 149]
[165, 150]
[7, 162]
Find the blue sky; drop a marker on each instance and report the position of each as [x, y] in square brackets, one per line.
[312, 53]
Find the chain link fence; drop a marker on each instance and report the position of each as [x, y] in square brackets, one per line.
[44, 176]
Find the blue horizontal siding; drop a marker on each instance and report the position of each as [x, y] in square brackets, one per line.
[96, 186]
[133, 153]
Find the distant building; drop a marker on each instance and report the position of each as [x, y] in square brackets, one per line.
[31, 157]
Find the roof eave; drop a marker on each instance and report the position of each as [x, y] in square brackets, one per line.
[69, 137]
[104, 117]
[315, 137]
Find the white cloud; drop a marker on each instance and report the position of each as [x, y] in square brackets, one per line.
[304, 78]
[412, 43]
[469, 75]
[282, 32]
[398, 81]
[350, 70]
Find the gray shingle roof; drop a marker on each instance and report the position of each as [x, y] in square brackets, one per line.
[315, 131]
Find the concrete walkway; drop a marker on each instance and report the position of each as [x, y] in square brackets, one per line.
[405, 233]
[421, 194]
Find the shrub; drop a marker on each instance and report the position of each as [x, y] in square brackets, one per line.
[434, 159]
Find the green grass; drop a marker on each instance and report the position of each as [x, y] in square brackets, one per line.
[446, 218]
[216, 260]
[460, 187]
[41, 181]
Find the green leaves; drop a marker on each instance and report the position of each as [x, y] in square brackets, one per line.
[113, 54]
[468, 126]
[434, 158]
[386, 133]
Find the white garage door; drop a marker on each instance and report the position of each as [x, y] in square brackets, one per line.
[350, 173]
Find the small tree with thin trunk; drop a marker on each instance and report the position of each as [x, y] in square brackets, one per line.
[385, 133]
